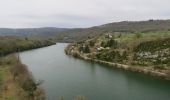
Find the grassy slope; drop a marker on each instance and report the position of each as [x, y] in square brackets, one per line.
[9, 88]
[125, 26]
[71, 35]
[149, 50]
[16, 87]
[22, 87]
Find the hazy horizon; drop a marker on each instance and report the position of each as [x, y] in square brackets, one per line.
[78, 13]
[80, 27]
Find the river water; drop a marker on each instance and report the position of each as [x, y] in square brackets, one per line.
[68, 77]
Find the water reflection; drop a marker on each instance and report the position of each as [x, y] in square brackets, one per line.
[68, 77]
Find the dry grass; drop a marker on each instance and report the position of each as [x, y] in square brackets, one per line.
[17, 82]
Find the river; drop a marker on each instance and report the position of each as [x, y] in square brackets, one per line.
[67, 76]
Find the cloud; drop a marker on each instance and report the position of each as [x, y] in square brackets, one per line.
[78, 13]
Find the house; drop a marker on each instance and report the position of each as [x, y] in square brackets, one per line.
[100, 48]
[108, 35]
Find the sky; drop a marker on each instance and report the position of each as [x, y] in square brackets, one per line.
[78, 13]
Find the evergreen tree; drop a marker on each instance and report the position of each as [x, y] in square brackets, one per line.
[86, 49]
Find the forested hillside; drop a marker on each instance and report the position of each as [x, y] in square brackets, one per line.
[147, 51]
[75, 34]
[10, 44]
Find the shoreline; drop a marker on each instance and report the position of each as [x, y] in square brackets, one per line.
[139, 69]
[17, 81]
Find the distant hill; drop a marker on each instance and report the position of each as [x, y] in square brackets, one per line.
[139, 26]
[46, 31]
[75, 34]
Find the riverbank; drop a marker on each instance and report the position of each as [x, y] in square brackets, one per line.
[163, 74]
[16, 82]
[11, 44]
[67, 77]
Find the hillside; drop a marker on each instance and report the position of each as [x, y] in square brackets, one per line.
[125, 26]
[16, 82]
[143, 52]
[76, 34]
[31, 31]
[10, 44]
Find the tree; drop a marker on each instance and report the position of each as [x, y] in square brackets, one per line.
[111, 43]
[91, 43]
[86, 49]
[124, 55]
[138, 35]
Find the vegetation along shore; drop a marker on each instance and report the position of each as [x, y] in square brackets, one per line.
[147, 52]
[16, 82]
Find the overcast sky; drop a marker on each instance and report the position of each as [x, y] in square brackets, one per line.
[78, 13]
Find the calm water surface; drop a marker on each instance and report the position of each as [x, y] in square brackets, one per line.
[68, 77]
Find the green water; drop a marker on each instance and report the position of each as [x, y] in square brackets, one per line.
[68, 77]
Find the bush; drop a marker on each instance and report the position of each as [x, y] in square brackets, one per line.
[84, 49]
[111, 56]
[24, 78]
[168, 73]
[91, 43]
[109, 43]
[154, 45]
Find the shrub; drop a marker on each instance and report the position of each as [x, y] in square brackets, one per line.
[86, 49]
[91, 43]
[24, 78]
[109, 43]
[169, 73]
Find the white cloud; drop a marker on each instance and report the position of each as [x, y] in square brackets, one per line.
[78, 13]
